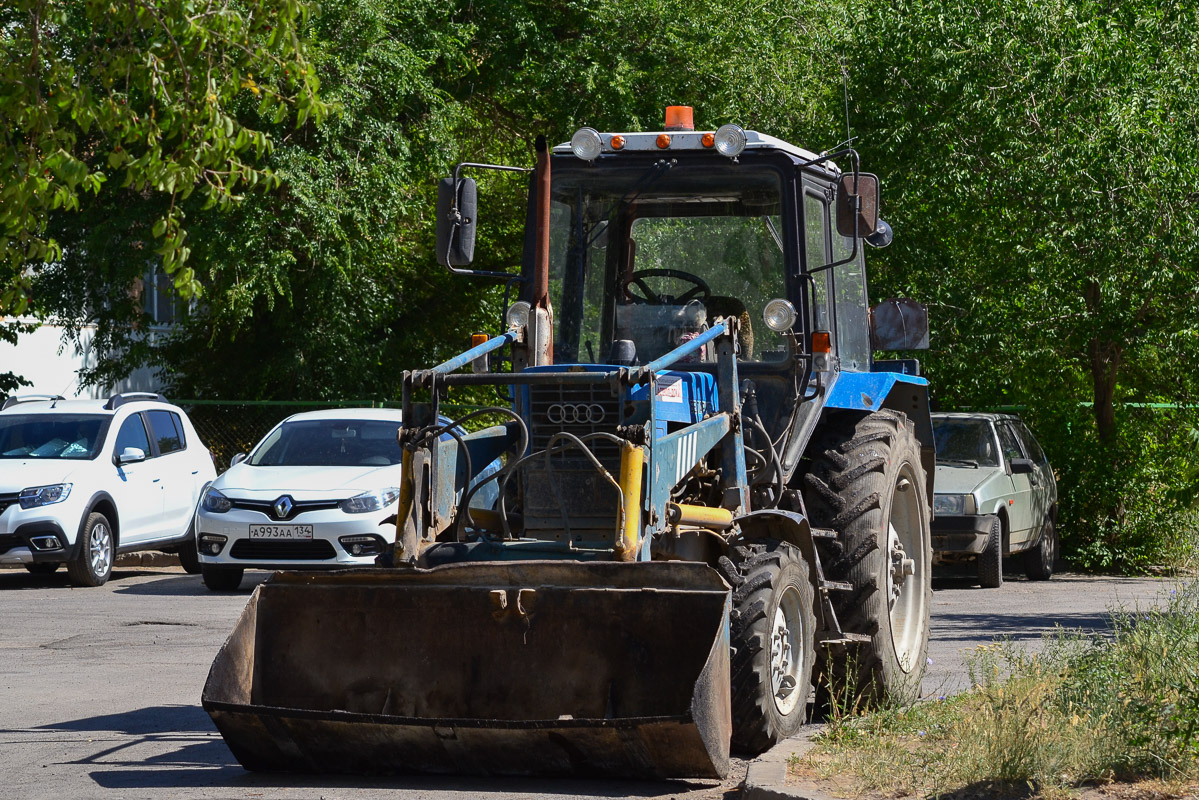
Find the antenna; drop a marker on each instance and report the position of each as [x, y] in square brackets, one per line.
[845, 86]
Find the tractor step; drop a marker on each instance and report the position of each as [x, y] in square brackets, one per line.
[834, 639]
[824, 533]
[836, 586]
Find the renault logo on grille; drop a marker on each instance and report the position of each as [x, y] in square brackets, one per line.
[282, 507]
[574, 413]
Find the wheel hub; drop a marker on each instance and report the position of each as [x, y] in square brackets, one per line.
[901, 565]
[786, 653]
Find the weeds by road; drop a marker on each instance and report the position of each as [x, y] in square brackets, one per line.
[1084, 710]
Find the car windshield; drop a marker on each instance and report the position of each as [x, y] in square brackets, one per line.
[330, 443]
[643, 260]
[75, 436]
[965, 442]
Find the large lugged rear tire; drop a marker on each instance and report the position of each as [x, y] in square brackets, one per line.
[864, 479]
[773, 629]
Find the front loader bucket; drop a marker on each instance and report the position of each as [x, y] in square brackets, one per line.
[518, 668]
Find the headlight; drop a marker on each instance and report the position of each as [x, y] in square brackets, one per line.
[370, 501]
[779, 315]
[586, 144]
[44, 495]
[953, 504]
[730, 140]
[517, 315]
[215, 502]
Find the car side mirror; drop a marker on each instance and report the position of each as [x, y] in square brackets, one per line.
[237, 459]
[456, 209]
[1022, 466]
[866, 195]
[131, 455]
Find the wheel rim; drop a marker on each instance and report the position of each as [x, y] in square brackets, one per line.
[1049, 547]
[906, 566]
[786, 652]
[100, 549]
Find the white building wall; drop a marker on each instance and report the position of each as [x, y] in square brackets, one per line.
[53, 365]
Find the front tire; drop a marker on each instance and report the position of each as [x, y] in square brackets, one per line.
[990, 560]
[222, 579]
[773, 630]
[93, 565]
[865, 480]
[1040, 561]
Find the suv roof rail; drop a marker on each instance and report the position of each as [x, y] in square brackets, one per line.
[118, 400]
[29, 398]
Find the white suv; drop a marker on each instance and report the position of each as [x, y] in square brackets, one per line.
[83, 480]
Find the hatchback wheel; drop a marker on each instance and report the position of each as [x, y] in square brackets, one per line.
[93, 564]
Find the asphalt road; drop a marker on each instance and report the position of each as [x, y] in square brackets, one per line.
[99, 688]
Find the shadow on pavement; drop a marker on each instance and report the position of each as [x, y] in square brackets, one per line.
[951, 627]
[183, 585]
[188, 753]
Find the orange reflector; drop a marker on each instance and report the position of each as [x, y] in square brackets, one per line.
[663, 140]
[821, 342]
[617, 142]
[709, 139]
[679, 118]
[477, 339]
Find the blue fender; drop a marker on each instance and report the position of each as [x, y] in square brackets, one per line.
[872, 391]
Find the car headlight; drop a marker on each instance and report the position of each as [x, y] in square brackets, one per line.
[370, 501]
[215, 502]
[44, 495]
[953, 504]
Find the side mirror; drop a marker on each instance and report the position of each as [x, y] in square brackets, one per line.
[1022, 466]
[456, 207]
[899, 325]
[131, 455]
[867, 212]
[237, 459]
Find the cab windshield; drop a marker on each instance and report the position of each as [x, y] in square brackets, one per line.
[74, 436]
[644, 258]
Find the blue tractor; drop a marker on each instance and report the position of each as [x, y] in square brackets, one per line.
[713, 509]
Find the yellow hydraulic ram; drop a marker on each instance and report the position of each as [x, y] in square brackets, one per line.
[717, 519]
[632, 465]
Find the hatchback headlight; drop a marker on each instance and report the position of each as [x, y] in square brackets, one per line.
[44, 495]
[215, 502]
[370, 501]
[953, 504]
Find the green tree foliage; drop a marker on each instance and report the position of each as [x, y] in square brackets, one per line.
[140, 91]
[1041, 164]
[326, 285]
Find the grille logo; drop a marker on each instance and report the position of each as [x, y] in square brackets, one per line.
[282, 507]
[575, 413]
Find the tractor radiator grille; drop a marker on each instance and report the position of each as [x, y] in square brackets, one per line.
[572, 485]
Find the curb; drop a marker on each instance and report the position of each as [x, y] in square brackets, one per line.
[766, 776]
[132, 560]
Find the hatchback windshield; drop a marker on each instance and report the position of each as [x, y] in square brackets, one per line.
[643, 258]
[330, 443]
[75, 436]
[965, 442]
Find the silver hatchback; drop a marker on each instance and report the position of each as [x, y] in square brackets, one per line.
[995, 496]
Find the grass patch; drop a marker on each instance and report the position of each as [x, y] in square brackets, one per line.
[1084, 710]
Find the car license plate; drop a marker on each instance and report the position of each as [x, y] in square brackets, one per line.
[280, 531]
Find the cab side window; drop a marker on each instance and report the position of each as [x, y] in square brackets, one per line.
[168, 431]
[133, 434]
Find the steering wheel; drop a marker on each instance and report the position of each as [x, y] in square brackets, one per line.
[649, 296]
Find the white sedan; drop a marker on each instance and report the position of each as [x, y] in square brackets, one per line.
[320, 490]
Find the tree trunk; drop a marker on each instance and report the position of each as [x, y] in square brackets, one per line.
[1104, 356]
